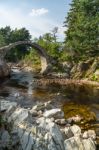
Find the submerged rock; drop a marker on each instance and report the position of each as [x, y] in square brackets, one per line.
[78, 113]
[60, 121]
[74, 119]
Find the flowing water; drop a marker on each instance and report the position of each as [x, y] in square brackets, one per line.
[83, 100]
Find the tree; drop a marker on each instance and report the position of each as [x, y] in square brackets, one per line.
[55, 31]
[6, 33]
[52, 46]
[82, 22]
[16, 35]
[20, 35]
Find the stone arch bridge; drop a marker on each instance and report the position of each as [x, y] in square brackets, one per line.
[46, 60]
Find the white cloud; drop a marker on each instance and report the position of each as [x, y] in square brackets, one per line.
[16, 18]
[38, 12]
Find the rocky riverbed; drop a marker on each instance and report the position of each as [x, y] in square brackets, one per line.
[53, 114]
[41, 128]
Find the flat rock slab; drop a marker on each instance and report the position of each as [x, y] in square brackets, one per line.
[5, 105]
[56, 113]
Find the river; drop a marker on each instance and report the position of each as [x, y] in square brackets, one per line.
[74, 100]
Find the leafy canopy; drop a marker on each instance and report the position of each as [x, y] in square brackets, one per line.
[82, 23]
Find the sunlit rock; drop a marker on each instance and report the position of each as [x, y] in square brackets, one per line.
[89, 134]
[5, 105]
[18, 115]
[85, 135]
[73, 143]
[45, 134]
[76, 143]
[88, 144]
[42, 106]
[76, 130]
[60, 121]
[34, 113]
[56, 113]
[75, 119]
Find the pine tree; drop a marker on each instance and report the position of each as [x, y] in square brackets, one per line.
[82, 22]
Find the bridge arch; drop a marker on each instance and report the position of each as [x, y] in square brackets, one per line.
[46, 60]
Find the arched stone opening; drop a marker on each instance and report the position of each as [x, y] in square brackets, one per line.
[44, 57]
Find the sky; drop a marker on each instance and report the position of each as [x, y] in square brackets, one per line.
[38, 16]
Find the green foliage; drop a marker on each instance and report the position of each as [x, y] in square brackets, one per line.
[51, 45]
[49, 42]
[7, 36]
[82, 35]
[95, 77]
[23, 52]
[6, 33]
[32, 57]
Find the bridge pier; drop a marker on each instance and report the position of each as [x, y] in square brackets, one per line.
[45, 66]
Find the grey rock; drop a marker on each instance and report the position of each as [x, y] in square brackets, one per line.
[5, 105]
[34, 113]
[4, 139]
[89, 134]
[43, 106]
[19, 115]
[76, 143]
[68, 132]
[60, 121]
[76, 130]
[56, 113]
[45, 135]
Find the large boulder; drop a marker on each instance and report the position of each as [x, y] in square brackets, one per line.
[4, 69]
[77, 143]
